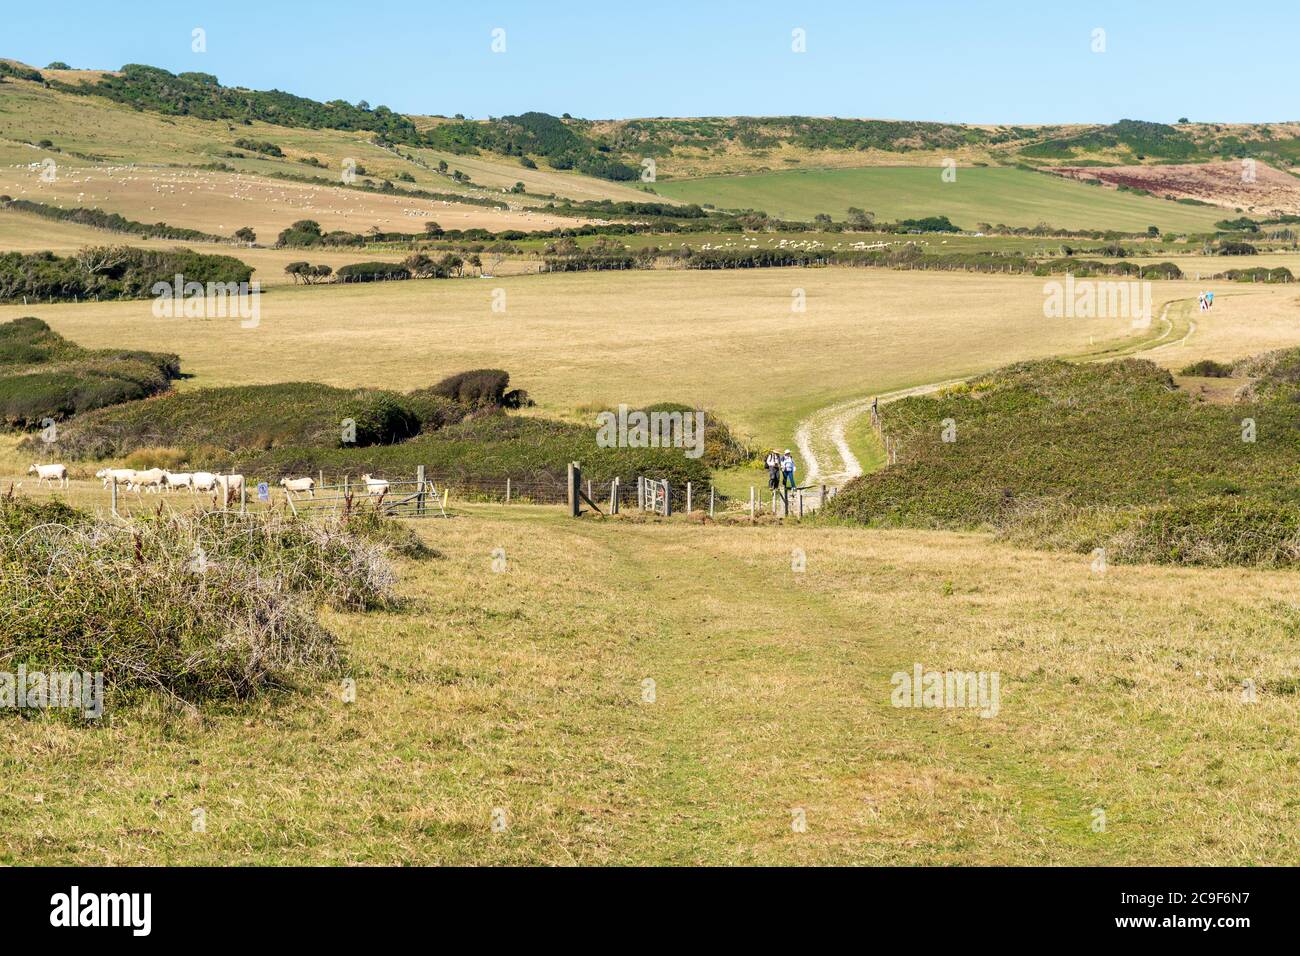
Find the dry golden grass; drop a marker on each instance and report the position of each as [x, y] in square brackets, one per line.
[725, 341]
[523, 691]
[220, 203]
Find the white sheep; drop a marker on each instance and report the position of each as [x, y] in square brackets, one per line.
[299, 484]
[151, 480]
[230, 486]
[50, 473]
[182, 480]
[375, 486]
[203, 481]
[116, 476]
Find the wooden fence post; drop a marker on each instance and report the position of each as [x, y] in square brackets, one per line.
[575, 479]
[419, 489]
[112, 483]
[710, 501]
[688, 497]
[507, 491]
[243, 497]
[668, 499]
[751, 502]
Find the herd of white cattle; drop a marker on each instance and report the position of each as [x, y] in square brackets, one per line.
[160, 480]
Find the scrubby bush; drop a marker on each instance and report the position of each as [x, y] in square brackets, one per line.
[381, 418]
[197, 606]
[44, 376]
[481, 386]
[372, 272]
[213, 424]
[1107, 455]
[1207, 368]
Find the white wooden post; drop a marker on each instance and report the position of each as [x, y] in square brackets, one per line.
[751, 502]
[710, 501]
[243, 497]
[688, 497]
[507, 491]
[112, 483]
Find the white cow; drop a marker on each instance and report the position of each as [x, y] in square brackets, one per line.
[375, 486]
[203, 481]
[299, 484]
[182, 480]
[50, 473]
[151, 480]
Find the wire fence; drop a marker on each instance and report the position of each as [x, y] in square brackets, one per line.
[427, 496]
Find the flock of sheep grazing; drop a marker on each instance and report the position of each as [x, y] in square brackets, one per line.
[160, 479]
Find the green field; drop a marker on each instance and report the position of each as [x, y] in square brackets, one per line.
[1011, 196]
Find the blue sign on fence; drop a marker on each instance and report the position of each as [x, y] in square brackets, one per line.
[263, 491]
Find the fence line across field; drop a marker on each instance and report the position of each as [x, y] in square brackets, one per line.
[427, 495]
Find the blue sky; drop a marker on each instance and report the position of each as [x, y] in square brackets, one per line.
[1002, 61]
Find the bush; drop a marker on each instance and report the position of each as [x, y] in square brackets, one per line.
[381, 419]
[214, 423]
[1106, 455]
[1207, 368]
[198, 606]
[372, 272]
[44, 376]
[481, 386]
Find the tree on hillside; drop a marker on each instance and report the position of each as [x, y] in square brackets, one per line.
[58, 65]
[861, 219]
[432, 229]
[246, 234]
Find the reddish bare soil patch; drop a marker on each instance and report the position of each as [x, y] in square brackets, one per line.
[1255, 188]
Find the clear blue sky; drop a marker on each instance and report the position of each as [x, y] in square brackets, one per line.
[981, 61]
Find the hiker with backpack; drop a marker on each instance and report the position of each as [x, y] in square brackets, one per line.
[787, 469]
[773, 464]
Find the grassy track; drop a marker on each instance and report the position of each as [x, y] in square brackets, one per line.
[523, 691]
[1012, 196]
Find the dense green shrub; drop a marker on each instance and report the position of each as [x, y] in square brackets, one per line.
[214, 423]
[44, 376]
[481, 386]
[372, 272]
[1053, 452]
[118, 272]
[381, 418]
[1207, 368]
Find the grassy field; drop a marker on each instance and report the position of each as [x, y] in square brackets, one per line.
[523, 692]
[1012, 196]
[108, 132]
[220, 202]
[725, 341]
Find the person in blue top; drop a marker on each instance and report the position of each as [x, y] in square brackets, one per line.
[787, 468]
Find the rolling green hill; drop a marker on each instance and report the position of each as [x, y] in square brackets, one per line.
[1016, 197]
